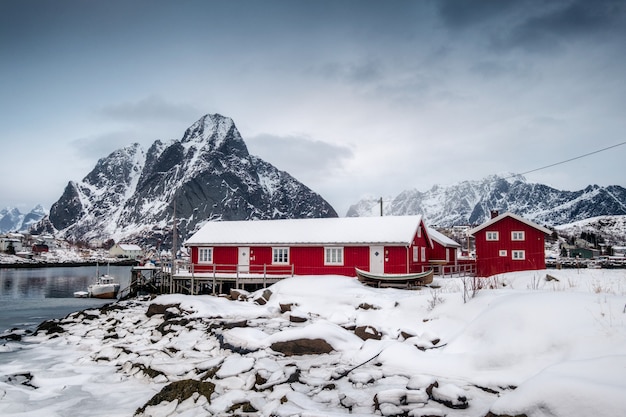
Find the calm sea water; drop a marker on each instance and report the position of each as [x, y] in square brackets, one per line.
[30, 296]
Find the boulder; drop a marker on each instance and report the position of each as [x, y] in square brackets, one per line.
[180, 391]
[294, 318]
[263, 298]
[302, 347]
[159, 309]
[367, 332]
[238, 295]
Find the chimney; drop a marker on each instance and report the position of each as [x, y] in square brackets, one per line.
[494, 214]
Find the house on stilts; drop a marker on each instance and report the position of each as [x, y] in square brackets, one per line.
[237, 254]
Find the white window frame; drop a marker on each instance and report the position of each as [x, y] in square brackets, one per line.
[416, 254]
[503, 252]
[333, 255]
[518, 235]
[492, 236]
[205, 255]
[423, 253]
[518, 255]
[280, 255]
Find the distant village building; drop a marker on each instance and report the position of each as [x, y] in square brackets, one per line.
[11, 242]
[619, 250]
[584, 253]
[509, 243]
[40, 248]
[126, 250]
[46, 239]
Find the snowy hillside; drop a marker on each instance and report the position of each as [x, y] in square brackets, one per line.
[611, 228]
[470, 202]
[207, 175]
[329, 346]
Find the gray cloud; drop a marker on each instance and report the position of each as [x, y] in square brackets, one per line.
[459, 14]
[99, 146]
[302, 157]
[150, 109]
[566, 22]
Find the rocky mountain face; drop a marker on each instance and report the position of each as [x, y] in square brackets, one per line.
[133, 195]
[12, 220]
[471, 202]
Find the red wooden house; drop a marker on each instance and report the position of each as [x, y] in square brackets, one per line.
[444, 251]
[394, 244]
[508, 243]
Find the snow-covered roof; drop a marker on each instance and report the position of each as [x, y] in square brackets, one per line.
[129, 247]
[391, 230]
[514, 216]
[442, 239]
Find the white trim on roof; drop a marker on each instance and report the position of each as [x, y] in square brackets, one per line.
[390, 230]
[514, 216]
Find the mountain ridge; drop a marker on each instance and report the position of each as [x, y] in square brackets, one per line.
[13, 220]
[471, 202]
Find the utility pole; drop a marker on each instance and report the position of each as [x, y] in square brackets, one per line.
[381, 207]
[174, 243]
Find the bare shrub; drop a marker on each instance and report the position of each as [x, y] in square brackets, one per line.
[471, 287]
[435, 299]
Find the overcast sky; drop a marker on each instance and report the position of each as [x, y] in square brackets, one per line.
[350, 97]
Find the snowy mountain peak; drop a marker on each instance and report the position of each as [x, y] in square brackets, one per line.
[212, 130]
[207, 175]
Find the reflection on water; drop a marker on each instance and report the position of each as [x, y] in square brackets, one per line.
[30, 296]
[23, 283]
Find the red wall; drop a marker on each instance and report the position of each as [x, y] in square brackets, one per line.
[438, 253]
[488, 259]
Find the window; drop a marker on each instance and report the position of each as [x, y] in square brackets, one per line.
[502, 252]
[205, 255]
[416, 254]
[493, 236]
[280, 255]
[519, 254]
[333, 256]
[419, 231]
[517, 235]
[423, 253]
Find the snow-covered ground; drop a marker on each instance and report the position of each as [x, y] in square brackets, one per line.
[538, 343]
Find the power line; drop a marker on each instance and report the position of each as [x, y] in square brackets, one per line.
[573, 159]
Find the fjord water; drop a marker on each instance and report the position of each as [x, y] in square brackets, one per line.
[29, 296]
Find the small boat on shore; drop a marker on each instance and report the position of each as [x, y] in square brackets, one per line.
[416, 279]
[105, 287]
[81, 294]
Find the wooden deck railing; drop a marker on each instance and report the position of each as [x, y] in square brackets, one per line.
[186, 277]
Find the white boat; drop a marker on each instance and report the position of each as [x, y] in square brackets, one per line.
[105, 287]
[81, 294]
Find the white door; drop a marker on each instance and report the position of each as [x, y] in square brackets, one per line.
[377, 259]
[244, 260]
